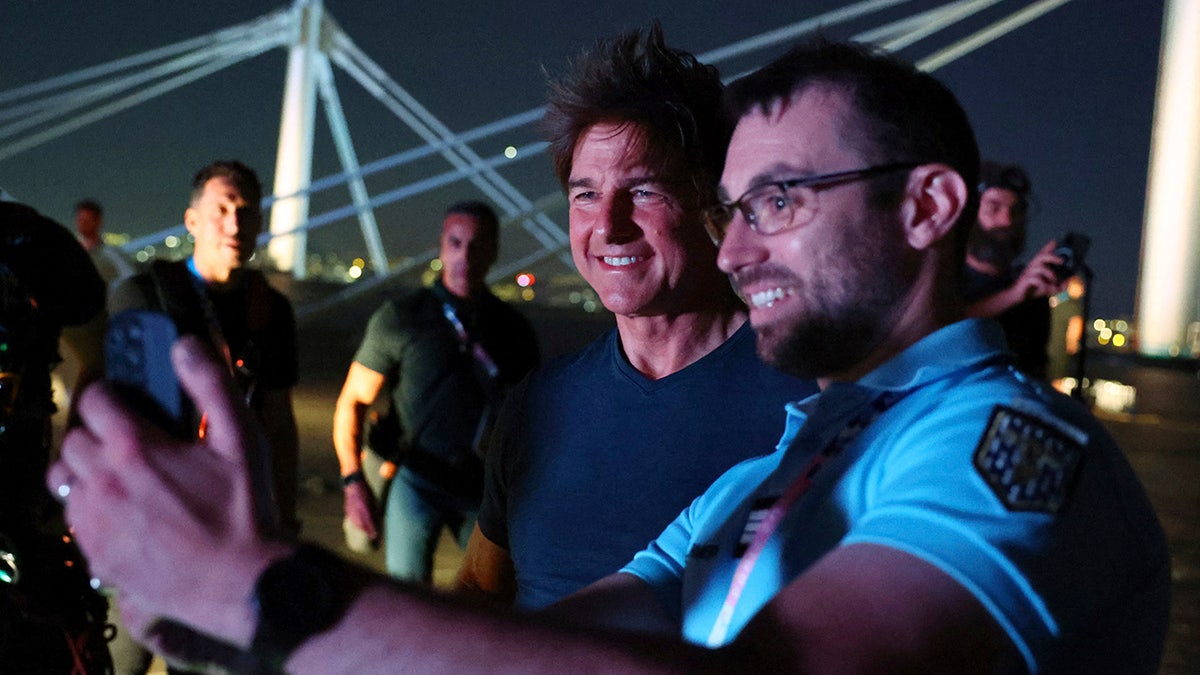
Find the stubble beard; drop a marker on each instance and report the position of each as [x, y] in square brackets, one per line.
[845, 310]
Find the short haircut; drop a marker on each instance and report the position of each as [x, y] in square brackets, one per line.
[636, 79]
[903, 114]
[1013, 178]
[242, 176]
[89, 205]
[482, 212]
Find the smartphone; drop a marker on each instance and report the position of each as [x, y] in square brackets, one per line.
[1072, 247]
[137, 358]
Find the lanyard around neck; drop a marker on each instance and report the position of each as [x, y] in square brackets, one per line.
[779, 509]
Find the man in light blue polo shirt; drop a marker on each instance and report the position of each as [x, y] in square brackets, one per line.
[932, 506]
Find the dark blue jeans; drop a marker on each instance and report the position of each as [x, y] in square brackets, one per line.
[415, 514]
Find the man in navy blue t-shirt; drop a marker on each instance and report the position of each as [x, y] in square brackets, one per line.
[599, 450]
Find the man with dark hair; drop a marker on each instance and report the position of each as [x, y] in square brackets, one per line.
[598, 451]
[113, 265]
[445, 356]
[248, 318]
[255, 321]
[1016, 296]
[929, 511]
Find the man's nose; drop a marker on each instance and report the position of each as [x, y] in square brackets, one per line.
[615, 220]
[740, 247]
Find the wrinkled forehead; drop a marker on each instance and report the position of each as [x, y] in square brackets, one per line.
[631, 146]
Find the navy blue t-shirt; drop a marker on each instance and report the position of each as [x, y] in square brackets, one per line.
[592, 459]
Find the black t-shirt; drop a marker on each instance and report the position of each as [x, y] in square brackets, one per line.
[434, 387]
[256, 322]
[1026, 324]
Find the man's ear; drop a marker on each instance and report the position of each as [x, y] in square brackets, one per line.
[189, 219]
[934, 199]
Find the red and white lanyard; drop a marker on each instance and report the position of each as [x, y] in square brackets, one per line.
[779, 509]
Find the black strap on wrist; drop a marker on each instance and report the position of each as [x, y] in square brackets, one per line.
[297, 597]
[352, 478]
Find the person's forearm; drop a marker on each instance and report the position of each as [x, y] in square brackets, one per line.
[347, 432]
[402, 628]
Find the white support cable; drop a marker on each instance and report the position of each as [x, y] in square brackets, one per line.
[513, 201]
[62, 104]
[181, 61]
[791, 32]
[268, 23]
[413, 154]
[987, 35]
[403, 192]
[905, 32]
[901, 33]
[120, 104]
[345, 149]
[376, 84]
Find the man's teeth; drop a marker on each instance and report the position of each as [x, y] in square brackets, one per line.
[768, 297]
[621, 261]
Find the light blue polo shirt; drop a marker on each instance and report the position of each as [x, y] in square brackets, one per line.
[1011, 489]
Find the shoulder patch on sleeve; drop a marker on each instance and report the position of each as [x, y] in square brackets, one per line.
[1030, 463]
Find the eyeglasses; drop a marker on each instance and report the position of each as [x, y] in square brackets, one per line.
[773, 207]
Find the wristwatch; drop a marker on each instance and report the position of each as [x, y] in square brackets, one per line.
[297, 597]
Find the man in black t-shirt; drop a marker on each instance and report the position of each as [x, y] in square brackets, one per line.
[252, 319]
[445, 355]
[1018, 297]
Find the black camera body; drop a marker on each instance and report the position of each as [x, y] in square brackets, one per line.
[1072, 248]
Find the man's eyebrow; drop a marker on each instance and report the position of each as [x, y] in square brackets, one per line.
[643, 179]
[773, 174]
[580, 183]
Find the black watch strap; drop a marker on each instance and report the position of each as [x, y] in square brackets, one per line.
[297, 597]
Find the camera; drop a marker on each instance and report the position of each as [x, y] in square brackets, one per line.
[1072, 247]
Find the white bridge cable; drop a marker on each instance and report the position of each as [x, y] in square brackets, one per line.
[906, 32]
[229, 39]
[795, 30]
[987, 35]
[425, 124]
[269, 23]
[395, 195]
[422, 186]
[349, 159]
[67, 102]
[901, 33]
[440, 140]
[411, 155]
[127, 102]
[895, 35]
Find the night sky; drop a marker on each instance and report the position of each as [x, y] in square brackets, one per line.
[1069, 96]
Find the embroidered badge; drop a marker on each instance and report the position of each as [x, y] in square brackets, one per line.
[1028, 462]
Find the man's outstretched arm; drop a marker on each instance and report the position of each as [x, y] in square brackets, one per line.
[171, 524]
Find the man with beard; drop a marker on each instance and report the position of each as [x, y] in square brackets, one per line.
[929, 511]
[1018, 297]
